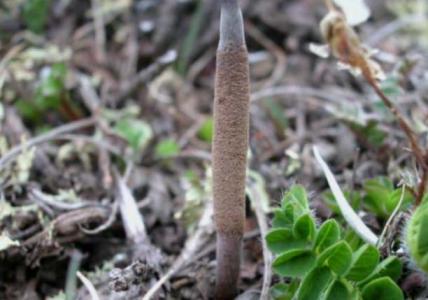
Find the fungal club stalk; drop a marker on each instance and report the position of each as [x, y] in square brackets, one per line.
[231, 123]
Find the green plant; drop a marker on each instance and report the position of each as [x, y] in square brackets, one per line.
[136, 132]
[379, 196]
[230, 143]
[382, 198]
[416, 238]
[205, 132]
[48, 95]
[167, 148]
[320, 263]
[35, 14]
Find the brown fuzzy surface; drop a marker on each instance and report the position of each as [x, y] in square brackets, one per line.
[231, 122]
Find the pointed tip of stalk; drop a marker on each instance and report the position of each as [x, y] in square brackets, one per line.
[231, 25]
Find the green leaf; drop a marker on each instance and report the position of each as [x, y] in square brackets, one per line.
[51, 88]
[282, 239]
[205, 133]
[328, 234]
[353, 239]
[315, 284]
[364, 261]
[28, 110]
[49, 93]
[297, 194]
[167, 148]
[294, 263]
[337, 257]
[295, 202]
[338, 290]
[416, 238]
[378, 190]
[279, 291]
[137, 133]
[282, 291]
[371, 132]
[291, 212]
[35, 14]
[281, 219]
[394, 198]
[304, 228]
[391, 267]
[382, 289]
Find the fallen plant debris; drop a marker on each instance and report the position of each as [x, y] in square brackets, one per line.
[142, 159]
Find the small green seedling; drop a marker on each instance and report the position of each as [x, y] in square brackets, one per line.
[321, 263]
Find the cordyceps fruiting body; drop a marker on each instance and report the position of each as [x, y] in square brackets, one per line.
[231, 122]
[417, 237]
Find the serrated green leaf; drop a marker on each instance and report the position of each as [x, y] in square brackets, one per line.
[382, 289]
[304, 228]
[364, 261]
[294, 263]
[282, 239]
[337, 257]
[390, 267]
[328, 234]
[315, 284]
